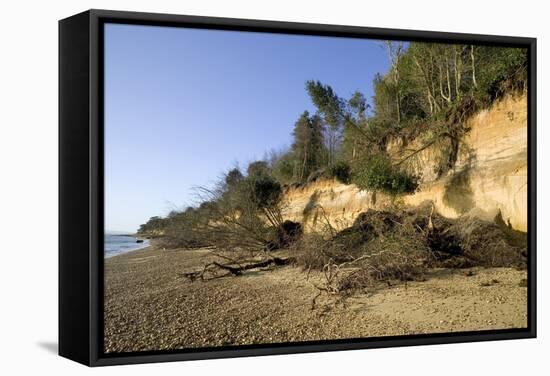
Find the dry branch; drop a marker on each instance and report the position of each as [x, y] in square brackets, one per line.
[236, 269]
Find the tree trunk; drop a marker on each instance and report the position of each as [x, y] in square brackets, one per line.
[441, 91]
[449, 96]
[303, 165]
[472, 56]
[458, 71]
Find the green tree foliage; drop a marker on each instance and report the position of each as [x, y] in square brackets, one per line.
[431, 89]
[332, 109]
[258, 168]
[233, 177]
[328, 103]
[500, 71]
[263, 190]
[153, 225]
[308, 147]
[283, 168]
[341, 170]
[360, 132]
[376, 173]
[428, 79]
[351, 129]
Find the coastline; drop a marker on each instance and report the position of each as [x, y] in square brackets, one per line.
[145, 247]
[150, 306]
[139, 243]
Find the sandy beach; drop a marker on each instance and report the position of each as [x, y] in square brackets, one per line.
[149, 305]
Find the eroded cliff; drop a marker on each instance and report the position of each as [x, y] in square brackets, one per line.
[488, 179]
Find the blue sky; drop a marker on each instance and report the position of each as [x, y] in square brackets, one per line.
[184, 105]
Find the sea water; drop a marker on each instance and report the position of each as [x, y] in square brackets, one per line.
[116, 244]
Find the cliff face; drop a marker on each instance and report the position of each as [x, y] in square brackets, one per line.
[489, 177]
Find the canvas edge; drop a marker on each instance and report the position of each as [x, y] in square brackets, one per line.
[93, 343]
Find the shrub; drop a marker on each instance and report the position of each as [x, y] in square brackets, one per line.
[283, 168]
[341, 171]
[258, 168]
[377, 173]
[264, 191]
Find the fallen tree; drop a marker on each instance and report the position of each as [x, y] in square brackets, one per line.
[240, 213]
[235, 268]
[401, 245]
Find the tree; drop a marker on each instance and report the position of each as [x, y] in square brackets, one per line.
[153, 225]
[354, 127]
[283, 167]
[308, 146]
[258, 168]
[395, 51]
[431, 88]
[331, 107]
[245, 217]
[233, 177]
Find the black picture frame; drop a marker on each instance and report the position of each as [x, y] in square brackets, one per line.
[81, 186]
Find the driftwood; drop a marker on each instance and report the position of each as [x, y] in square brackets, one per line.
[236, 269]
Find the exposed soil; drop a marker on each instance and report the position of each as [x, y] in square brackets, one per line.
[149, 305]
